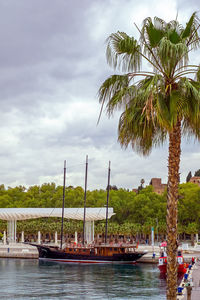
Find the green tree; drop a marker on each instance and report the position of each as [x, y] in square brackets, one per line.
[189, 203]
[5, 201]
[197, 173]
[189, 176]
[192, 229]
[165, 102]
[2, 189]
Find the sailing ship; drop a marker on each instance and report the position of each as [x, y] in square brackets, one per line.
[89, 253]
[116, 253]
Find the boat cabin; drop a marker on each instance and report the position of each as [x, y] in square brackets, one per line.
[99, 250]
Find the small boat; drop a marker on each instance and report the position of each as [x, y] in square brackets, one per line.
[89, 253]
[162, 263]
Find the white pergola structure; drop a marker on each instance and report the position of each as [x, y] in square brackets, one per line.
[11, 215]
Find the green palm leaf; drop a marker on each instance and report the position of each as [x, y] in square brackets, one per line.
[123, 52]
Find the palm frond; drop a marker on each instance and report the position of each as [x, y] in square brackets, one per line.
[190, 128]
[197, 77]
[123, 52]
[190, 32]
[114, 90]
[153, 34]
[174, 37]
[152, 106]
[138, 131]
[176, 104]
[150, 36]
[188, 29]
[172, 55]
[190, 99]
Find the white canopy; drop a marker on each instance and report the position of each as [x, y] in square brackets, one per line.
[92, 214]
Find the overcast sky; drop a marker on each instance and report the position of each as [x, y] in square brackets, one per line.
[52, 63]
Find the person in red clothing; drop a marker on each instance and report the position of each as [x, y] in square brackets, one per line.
[193, 260]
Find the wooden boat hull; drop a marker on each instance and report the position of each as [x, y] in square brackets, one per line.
[56, 255]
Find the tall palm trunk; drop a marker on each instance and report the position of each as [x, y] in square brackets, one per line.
[172, 199]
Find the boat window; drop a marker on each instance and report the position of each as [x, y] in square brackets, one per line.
[70, 249]
[180, 260]
[110, 249]
[84, 250]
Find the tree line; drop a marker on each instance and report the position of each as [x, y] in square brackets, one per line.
[134, 213]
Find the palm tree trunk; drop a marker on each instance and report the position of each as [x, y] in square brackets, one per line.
[172, 199]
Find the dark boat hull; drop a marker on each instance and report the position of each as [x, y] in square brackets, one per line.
[56, 255]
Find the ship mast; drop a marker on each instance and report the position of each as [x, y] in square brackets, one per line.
[63, 205]
[85, 194]
[108, 190]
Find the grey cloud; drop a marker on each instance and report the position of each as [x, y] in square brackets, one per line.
[192, 4]
[39, 30]
[39, 36]
[52, 59]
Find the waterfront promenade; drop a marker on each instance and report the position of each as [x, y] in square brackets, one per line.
[148, 258]
[193, 281]
[18, 250]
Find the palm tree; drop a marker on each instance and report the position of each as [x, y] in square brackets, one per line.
[158, 104]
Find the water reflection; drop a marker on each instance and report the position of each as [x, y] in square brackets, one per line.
[30, 279]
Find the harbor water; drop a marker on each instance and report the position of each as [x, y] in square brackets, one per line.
[31, 279]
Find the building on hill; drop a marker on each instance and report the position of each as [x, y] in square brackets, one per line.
[158, 186]
[195, 179]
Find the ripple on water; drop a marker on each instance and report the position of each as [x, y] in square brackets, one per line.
[30, 279]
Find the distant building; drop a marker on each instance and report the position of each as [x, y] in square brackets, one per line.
[158, 186]
[195, 179]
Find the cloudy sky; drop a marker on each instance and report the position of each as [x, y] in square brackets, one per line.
[52, 62]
